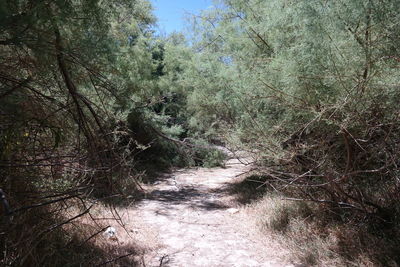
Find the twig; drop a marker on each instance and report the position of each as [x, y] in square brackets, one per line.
[162, 259]
[325, 201]
[115, 259]
[98, 232]
[67, 221]
[43, 204]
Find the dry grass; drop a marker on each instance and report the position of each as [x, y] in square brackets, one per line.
[313, 239]
[128, 245]
[80, 242]
[314, 235]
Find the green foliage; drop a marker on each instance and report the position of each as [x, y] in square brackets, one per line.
[214, 158]
[89, 96]
[70, 71]
[202, 154]
[311, 87]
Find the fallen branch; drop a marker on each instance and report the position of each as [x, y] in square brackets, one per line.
[325, 201]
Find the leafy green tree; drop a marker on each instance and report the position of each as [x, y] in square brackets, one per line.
[303, 84]
[69, 73]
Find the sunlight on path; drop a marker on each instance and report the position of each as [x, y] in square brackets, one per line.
[196, 224]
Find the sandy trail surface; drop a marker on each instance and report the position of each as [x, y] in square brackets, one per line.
[196, 222]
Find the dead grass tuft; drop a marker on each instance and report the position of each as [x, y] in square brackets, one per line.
[317, 235]
[313, 238]
[32, 238]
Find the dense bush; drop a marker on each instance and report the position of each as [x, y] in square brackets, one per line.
[311, 88]
[62, 64]
[89, 97]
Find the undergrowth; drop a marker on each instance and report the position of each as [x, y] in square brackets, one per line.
[319, 236]
[43, 238]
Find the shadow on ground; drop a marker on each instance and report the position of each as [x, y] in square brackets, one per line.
[190, 196]
[245, 191]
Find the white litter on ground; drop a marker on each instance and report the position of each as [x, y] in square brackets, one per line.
[110, 232]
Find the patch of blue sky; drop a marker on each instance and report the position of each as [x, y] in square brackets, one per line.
[171, 13]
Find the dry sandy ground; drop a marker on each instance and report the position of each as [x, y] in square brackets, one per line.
[189, 219]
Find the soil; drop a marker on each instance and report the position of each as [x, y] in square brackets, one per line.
[189, 218]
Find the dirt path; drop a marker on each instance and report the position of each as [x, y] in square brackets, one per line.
[197, 223]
